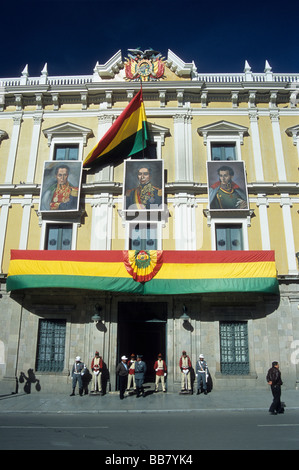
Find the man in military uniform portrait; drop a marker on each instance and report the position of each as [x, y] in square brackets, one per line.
[226, 193]
[58, 193]
[143, 185]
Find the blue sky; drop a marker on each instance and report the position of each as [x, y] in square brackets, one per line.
[72, 35]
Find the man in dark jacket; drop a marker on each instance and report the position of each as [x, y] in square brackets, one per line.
[140, 371]
[122, 372]
[274, 380]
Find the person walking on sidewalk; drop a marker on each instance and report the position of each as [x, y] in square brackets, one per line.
[274, 380]
[202, 374]
[77, 372]
[122, 372]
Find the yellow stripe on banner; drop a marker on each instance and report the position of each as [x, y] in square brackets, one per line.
[217, 270]
[130, 126]
[67, 268]
[265, 269]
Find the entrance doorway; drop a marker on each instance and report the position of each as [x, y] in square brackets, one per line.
[142, 330]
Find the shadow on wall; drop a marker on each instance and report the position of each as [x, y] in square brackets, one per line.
[29, 380]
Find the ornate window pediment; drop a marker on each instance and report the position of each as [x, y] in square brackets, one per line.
[68, 130]
[223, 129]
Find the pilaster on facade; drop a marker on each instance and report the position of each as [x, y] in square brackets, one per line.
[274, 116]
[257, 153]
[101, 225]
[263, 204]
[5, 205]
[17, 120]
[27, 205]
[37, 122]
[183, 147]
[185, 221]
[286, 204]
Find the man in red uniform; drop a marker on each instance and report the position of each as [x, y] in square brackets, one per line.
[161, 372]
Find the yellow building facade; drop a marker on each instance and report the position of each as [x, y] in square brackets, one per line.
[202, 129]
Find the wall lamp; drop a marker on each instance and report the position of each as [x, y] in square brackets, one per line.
[185, 317]
[96, 318]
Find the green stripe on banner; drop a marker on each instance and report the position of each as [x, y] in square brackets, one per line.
[153, 287]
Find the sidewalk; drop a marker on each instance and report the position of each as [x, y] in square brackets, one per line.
[41, 402]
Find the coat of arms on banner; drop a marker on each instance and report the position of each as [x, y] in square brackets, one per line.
[145, 65]
[143, 265]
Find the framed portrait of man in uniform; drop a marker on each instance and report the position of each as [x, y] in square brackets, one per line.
[143, 188]
[227, 186]
[61, 184]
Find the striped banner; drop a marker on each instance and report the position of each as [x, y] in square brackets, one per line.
[171, 272]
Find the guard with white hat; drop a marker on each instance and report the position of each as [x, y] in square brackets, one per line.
[78, 370]
[202, 374]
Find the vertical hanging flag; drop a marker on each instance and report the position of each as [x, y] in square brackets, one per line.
[126, 136]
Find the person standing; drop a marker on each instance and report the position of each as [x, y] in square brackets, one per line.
[201, 371]
[78, 370]
[97, 369]
[274, 380]
[161, 372]
[131, 375]
[140, 371]
[122, 372]
[185, 366]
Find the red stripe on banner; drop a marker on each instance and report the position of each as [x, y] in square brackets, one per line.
[69, 255]
[175, 257]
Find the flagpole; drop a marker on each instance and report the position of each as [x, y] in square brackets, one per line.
[142, 126]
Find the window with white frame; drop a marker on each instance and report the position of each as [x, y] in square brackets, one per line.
[66, 152]
[229, 236]
[143, 236]
[58, 236]
[67, 140]
[223, 140]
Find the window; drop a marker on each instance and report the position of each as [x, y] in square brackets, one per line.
[223, 151]
[51, 346]
[229, 237]
[66, 152]
[143, 237]
[234, 357]
[59, 237]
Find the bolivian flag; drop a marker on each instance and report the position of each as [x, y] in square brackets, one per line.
[126, 136]
[148, 273]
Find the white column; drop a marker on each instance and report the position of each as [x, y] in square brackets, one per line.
[26, 204]
[286, 204]
[101, 225]
[4, 206]
[262, 203]
[104, 123]
[37, 121]
[13, 148]
[183, 147]
[257, 154]
[184, 222]
[274, 115]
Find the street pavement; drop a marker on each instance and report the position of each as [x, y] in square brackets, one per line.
[216, 400]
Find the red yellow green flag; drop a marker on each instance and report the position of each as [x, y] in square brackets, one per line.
[127, 135]
[144, 272]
